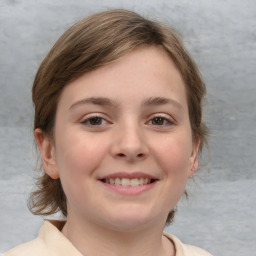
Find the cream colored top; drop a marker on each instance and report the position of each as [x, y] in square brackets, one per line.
[51, 242]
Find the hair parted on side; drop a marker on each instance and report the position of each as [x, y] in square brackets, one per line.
[93, 42]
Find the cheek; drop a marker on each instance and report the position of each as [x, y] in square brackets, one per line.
[77, 159]
[78, 155]
[174, 155]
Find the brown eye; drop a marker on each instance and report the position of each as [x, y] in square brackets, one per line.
[94, 121]
[159, 121]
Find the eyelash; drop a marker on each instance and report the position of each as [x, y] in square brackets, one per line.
[94, 118]
[97, 120]
[165, 121]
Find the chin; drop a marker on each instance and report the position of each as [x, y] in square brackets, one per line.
[129, 222]
[129, 226]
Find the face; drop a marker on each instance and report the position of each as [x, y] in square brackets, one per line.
[123, 146]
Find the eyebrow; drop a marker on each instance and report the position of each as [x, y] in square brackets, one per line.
[157, 101]
[102, 101]
[94, 100]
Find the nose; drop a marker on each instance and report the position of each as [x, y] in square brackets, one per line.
[130, 144]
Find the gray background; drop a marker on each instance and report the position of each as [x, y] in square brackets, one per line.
[220, 215]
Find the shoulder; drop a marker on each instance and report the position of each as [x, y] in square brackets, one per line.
[50, 241]
[34, 247]
[191, 250]
[185, 249]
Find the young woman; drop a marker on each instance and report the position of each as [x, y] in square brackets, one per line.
[118, 121]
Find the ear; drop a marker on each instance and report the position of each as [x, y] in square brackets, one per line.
[194, 158]
[47, 151]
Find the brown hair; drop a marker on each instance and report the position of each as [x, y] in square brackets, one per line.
[87, 45]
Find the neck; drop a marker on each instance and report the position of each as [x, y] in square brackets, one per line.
[91, 239]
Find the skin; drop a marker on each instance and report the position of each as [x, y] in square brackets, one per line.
[129, 116]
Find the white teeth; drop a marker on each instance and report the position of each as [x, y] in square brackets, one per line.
[145, 181]
[128, 182]
[117, 181]
[135, 182]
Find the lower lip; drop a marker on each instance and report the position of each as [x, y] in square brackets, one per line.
[129, 190]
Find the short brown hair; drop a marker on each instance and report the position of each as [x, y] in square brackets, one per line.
[87, 45]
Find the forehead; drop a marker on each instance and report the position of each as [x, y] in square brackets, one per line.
[145, 72]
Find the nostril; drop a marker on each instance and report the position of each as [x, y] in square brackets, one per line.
[121, 155]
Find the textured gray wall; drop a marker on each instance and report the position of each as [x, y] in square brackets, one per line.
[220, 216]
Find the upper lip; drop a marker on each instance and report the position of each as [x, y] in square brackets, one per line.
[128, 175]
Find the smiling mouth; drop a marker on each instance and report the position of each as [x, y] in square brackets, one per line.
[128, 182]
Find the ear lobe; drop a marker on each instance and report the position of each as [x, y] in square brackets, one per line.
[194, 158]
[47, 151]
